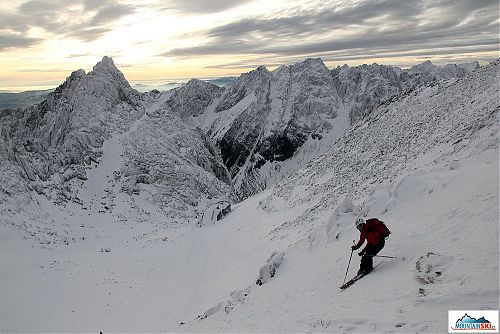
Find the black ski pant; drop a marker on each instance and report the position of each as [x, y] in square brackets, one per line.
[370, 251]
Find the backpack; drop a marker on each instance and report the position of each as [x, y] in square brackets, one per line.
[381, 228]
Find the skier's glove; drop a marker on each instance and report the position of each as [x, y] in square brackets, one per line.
[354, 247]
[362, 253]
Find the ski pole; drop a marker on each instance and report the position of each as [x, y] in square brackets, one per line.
[391, 257]
[350, 257]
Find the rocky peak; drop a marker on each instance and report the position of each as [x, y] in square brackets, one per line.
[426, 67]
[310, 66]
[340, 70]
[193, 98]
[314, 87]
[311, 71]
[106, 69]
[431, 72]
[104, 81]
[75, 76]
[105, 65]
[261, 69]
[495, 62]
[274, 114]
[253, 82]
[474, 65]
[197, 84]
[364, 87]
[312, 62]
[260, 73]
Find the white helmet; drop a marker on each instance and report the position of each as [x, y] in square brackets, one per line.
[359, 222]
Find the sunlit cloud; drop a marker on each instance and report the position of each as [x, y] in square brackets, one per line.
[197, 6]
[366, 28]
[161, 39]
[84, 20]
[10, 41]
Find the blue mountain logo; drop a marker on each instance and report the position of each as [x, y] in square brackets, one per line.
[469, 323]
[470, 320]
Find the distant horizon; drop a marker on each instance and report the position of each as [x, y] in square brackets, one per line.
[175, 82]
[42, 41]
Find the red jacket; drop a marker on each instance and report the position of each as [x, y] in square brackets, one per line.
[370, 232]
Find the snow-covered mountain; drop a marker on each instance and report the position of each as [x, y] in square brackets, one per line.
[54, 147]
[268, 124]
[102, 254]
[448, 71]
[182, 149]
[266, 116]
[365, 87]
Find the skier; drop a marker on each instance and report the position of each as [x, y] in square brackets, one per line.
[374, 232]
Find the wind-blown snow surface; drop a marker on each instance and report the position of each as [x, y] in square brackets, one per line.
[427, 165]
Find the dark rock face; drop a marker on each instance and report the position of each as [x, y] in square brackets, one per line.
[273, 114]
[236, 148]
[280, 147]
[215, 164]
[242, 137]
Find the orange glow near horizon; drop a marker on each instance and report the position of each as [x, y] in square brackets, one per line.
[22, 76]
[156, 41]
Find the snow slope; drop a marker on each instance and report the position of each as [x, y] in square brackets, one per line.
[452, 213]
[437, 191]
[426, 164]
[153, 285]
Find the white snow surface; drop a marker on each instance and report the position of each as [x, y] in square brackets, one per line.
[427, 165]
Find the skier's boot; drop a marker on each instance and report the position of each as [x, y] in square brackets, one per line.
[365, 271]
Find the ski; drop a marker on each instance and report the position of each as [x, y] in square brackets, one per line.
[352, 281]
[357, 278]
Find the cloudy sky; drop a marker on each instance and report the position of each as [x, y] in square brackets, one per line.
[42, 41]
